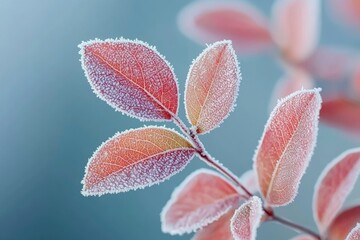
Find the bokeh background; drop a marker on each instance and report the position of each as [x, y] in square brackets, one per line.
[51, 122]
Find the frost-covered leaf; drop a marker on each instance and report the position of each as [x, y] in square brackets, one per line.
[212, 85]
[344, 223]
[202, 198]
[296, 26]
[342, 113]
[334, 185]
[246, 219]
[287, 145]
[354, 233]
[136, 159]
[217, 230]
[132, 77]
[304, 237]
[348, 11]
[249, 180]
[330, 63]
[294, 80]
[210, 20]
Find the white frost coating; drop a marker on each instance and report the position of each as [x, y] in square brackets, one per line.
[213, 114]
[187, 20]
[152, 170]
[202, 216]
[354, 234]
[280, 177]
[121, 95]
[339, 191]
[247, 219]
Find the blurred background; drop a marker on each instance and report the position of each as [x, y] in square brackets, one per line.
[51, 122]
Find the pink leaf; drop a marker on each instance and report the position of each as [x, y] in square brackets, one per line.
[304, 237]
[247, 219]
[343, 224]
[354, 234]
[348, 11]
[330, 63]
[202, 198]
[334, 185]
[132, 77]
[212, 86]
[294, 80]
[217, 230]
[286, 146]
[209, 21]
[342, 113]
[249, 180]
[296, 26]
[135, 159]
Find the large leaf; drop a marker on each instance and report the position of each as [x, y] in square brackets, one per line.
[220, 229]
[344, 223]
[334, 185]
[343, 113]
[354, 233]
[348, 11]
[246, 219]
[136, 159]
[212, 86]
[287, 145]
[202, 198]
[296, 26]
[132, 77]
[209, 21]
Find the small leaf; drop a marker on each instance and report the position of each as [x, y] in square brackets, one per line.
[220, 229]
[342, 113]
[354, 233]
[212, 86]
[330, 63]
[249, 180]
[294, 80]
[304, 237]
[209, 21]
[136, 159]
[343, 223]
[286, 146]
[132, 77]
[296, 26]
[202, 198]
[348, 11]
[334, 185]
[247, 219]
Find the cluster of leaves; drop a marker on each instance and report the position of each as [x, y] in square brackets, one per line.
[136, 80]
[294, 34]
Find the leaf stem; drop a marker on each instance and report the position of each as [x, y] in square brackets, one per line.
[199, 147]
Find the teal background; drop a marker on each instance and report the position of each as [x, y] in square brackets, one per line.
[51, 122]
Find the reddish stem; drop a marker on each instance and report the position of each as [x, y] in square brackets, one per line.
[198, 146]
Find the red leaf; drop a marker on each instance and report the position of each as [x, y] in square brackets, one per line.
[296, 26]
[330, 63]
[334, 185]
[209, 21]
[212, 86]
[342, 113]
[294, 80]
[135, 159]
[286, 146]
[202, 198]
[343, 223]
[304, 237]
[247, 219]
[132, 77]
[354, 234]
[249, 180]
[348, 11]
[217, 230]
